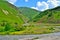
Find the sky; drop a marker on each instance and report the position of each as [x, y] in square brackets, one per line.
[40, 5]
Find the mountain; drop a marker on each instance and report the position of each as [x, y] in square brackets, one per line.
[13, 20]
[49, 16]
[9, 13]
[29, 13]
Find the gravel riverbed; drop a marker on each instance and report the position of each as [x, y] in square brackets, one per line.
[51, 36]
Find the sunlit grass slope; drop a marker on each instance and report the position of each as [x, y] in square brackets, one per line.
[29, 13]
[49, 16]
[9, 13]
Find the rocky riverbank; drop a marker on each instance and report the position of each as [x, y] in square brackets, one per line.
[52, 36]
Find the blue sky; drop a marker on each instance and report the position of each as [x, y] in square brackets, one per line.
[40, 5]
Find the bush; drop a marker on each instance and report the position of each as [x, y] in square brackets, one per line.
[8, 27]
[20, 28]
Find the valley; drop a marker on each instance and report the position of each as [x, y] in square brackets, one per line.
[26, 21]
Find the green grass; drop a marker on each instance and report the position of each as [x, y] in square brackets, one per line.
[12, 21]
[34, 29]
[29, 13]
[49, 16]
[11, 17]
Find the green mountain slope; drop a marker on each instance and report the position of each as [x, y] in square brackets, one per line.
[29, 13]
[9, 13]
[14, 21]
[49, 16]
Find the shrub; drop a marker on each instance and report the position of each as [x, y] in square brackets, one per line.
[20, 28]
[8, 27]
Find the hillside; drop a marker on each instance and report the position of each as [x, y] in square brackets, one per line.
[24, 20]
[49, 16]
[9, 16]
[29, 13]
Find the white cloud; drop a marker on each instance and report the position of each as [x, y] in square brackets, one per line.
[39, 4]
[12, 1]
[34, 8]
[46, 5]
[26, 0]
[55, 3]
[42, 6]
